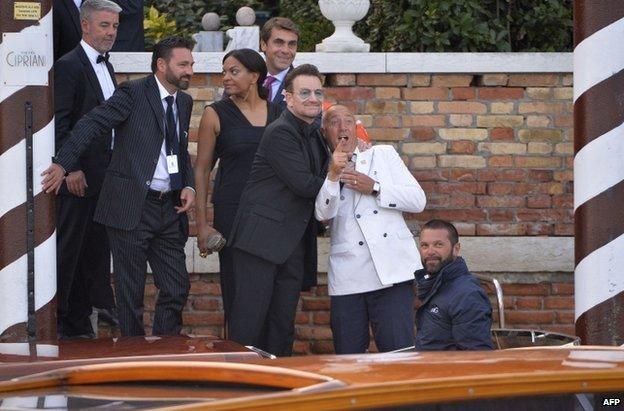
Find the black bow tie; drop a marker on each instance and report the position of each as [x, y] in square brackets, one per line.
[102, 58]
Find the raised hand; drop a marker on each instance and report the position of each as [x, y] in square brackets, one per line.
[339, 160]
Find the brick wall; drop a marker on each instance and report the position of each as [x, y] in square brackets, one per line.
[493, 152]
[545, 306]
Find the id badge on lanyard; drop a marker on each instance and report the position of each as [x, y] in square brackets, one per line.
[172, 163]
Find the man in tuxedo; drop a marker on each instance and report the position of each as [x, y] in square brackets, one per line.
[148, 186]
[278, 42]
[83, 79]
[65, 26]
[373, 255]
[274, 231]
[67, 30]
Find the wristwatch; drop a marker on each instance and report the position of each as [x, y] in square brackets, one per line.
[376, 188]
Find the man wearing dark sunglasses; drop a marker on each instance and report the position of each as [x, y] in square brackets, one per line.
[274, 233]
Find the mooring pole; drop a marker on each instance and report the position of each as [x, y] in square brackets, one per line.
[599, 170]
[27, 235]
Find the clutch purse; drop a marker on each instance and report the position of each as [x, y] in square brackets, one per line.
[216, 242]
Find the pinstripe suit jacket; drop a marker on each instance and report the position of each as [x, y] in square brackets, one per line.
[136, 113]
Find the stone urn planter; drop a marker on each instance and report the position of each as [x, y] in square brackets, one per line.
[343, 14]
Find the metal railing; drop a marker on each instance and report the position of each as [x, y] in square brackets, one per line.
[499, 296]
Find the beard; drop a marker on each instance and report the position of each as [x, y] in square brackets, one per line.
[182, 82]
[434, 266]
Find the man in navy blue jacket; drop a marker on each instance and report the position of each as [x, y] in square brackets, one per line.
[455, 313]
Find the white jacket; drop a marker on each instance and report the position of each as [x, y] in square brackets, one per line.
[371, 246]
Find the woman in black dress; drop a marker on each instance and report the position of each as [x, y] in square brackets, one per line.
[230, 131]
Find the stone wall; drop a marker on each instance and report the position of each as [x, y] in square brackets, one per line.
[494, 153]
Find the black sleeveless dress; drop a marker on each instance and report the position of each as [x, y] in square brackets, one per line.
[235, 149]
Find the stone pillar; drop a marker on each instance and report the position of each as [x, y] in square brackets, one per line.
[599, 170]
[27, 234]
[245, 35]
[210, 39]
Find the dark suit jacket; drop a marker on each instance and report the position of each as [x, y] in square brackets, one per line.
[279, 97]
[136, 113]
[276, 209]
[65, 27]
[76, 92]
[130, 34]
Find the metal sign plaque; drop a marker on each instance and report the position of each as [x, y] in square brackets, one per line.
[26, 11]
[26, 59]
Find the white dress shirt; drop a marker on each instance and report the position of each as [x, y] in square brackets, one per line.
[101, 71]
[160, 181]
[279, 79]
[102, 74]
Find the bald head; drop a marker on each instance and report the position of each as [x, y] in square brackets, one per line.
[339, 124]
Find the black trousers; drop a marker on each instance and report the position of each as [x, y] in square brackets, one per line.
[389, 311]
[157, 239]
[83, 265]
[223, 218]
[265, 301]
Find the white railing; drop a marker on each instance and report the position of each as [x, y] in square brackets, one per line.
[385, 62]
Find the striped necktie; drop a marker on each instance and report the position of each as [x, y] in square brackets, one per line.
[267, 85]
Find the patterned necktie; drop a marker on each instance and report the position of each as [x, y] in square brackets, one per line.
[267, 85]
[171, 144]
[350, 166]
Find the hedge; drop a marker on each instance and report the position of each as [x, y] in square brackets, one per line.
[411, 25]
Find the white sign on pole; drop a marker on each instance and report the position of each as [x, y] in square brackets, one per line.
[26, 59]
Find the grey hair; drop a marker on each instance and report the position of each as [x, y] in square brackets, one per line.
[90, 6]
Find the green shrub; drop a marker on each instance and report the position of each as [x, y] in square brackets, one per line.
[307, 16]
[542, 26]
[157, 25]
[408, 25]
[187, 14]
[447, 25]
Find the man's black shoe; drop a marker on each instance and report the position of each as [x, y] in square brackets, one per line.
[88, 336]
[108, 315]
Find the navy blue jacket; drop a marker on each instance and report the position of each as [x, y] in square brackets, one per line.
[456, 314]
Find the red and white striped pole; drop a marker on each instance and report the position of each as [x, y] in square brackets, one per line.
[27, 234]
[599, 170]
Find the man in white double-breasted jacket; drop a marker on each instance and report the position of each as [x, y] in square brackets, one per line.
[373, 255]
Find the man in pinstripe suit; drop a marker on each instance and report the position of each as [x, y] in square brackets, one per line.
[148, 186]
